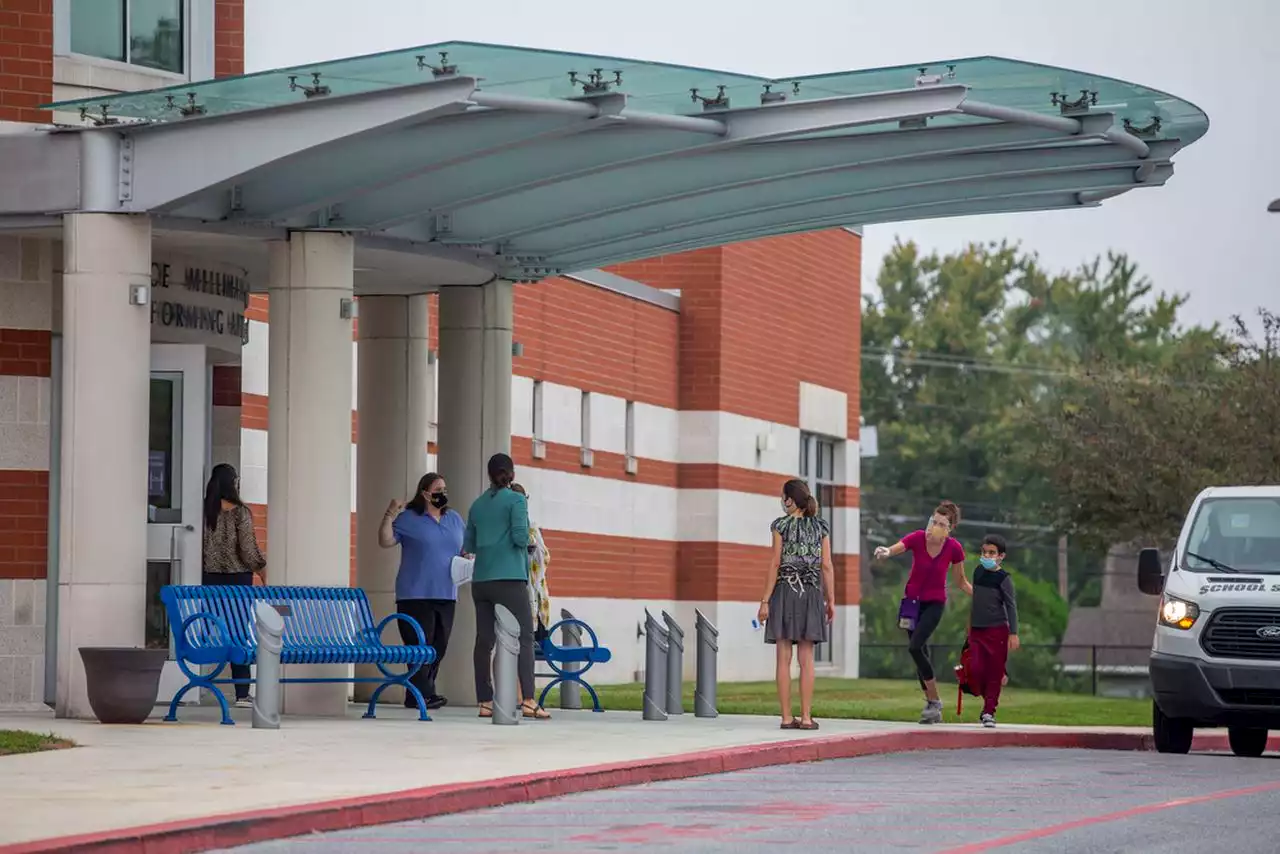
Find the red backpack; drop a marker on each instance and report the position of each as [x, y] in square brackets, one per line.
[964, 677]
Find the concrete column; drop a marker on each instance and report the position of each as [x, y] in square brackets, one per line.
[309, 433]
[393, 392]
[106, 375]
[474, 423]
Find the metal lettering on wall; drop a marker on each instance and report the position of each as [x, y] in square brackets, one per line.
[194, 303]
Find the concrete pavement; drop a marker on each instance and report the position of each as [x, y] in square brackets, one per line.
[956, 802]
[196, 786]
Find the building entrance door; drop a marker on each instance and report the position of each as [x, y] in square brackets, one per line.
[179, 438]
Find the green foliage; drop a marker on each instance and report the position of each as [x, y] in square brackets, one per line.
[963, 356]
[1127, 449]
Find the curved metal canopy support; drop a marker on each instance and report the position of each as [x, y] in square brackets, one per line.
[522, 176]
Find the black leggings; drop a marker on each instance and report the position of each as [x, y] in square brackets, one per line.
[514, 596]
[239, 579]
[435, 616]
[918, 640]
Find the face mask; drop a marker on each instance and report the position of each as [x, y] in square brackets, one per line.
[439, 499]
[988, 563]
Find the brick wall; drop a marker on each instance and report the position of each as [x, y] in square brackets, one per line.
[24, 524]
[26, 59]
[26, 352]
[228, 45]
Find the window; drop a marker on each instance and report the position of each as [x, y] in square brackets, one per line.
[164, 457]
[818, 470]
[632, 465]
[586, 428]
[631, 429]
[148, 33]
[539, 446]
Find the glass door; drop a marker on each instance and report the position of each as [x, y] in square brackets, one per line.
[180, 409]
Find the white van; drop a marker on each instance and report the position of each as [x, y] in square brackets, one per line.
[1215, 660]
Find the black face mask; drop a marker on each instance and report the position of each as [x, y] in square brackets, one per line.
[439, 500]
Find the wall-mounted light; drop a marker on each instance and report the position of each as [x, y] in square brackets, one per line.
[139, 294]
[766, 442]
[348, 309]
[517, 349]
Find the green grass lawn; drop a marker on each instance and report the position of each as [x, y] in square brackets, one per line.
[893, 700]
[14, 741]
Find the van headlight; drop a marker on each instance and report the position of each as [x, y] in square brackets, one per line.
[1178, 613]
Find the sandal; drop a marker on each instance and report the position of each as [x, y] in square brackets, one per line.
[811, 725]
[486, 710]
[530, 709]
[794, 723]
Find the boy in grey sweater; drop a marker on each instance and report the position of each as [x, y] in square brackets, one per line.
[993, 625]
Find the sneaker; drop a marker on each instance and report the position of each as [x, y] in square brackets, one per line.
[932, 713]
[244, 702]
[989, 721]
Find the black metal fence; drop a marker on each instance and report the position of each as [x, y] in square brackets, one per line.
[1099, 670]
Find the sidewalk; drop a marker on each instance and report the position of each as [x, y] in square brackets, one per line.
[179, 774]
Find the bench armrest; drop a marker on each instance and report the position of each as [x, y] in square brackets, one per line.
[218, 622]
[417, 628]
[595, 641]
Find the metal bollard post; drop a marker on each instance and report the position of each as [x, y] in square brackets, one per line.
[269, 629]
[704, 693]
[655, 669]
[506, 663]
[570, 692]
[675, 665]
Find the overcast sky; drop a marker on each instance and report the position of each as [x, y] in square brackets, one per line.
[1206, 233]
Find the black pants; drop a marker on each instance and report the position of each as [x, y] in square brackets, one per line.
[436, 618]
[918, 640]
[514, 596]
[239, 579]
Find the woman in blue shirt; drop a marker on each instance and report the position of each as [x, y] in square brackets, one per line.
[430, 536]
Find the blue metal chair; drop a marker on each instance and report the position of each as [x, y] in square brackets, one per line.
[214, 625]
[557, 657]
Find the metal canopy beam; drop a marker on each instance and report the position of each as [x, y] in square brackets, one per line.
[749, 165]
[405, 202]
[854, 209]
[171, 163]
[981, 207]
[719, 203]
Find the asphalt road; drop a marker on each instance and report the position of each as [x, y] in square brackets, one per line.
[1009, 800]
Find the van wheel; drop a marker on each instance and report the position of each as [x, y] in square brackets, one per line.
[1172, 735]
[1247, 742]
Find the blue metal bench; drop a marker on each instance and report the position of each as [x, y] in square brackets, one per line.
[214, 625]
[557, 657]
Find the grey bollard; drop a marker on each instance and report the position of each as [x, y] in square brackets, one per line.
[269, 630]
[675, 665]
[655, 669]
[704, 693]
[506, 663]
[570, 692]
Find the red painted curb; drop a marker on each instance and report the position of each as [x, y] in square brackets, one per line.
[229, 830]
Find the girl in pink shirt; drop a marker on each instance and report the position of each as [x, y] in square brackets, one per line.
[934, 553]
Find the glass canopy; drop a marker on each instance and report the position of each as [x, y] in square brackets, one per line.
[650, 86]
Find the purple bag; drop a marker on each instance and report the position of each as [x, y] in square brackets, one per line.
[908, 614]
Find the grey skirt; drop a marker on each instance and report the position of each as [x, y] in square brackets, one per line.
[796, 616]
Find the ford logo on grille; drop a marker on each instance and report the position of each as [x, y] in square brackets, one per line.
[1269, 632]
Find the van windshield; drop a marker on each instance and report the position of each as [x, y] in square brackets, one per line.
[1243, 533]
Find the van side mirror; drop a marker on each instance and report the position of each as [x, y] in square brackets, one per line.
[1150, 572]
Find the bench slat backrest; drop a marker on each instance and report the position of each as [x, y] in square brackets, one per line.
[313, 616]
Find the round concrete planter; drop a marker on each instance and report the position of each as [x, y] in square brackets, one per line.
[122, 681]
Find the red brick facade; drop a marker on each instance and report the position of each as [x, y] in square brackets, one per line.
[26, 352]
[26, 60]
[228, 38]
[24, 524]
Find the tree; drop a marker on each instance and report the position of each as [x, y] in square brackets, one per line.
[1127, 448]
[961, 352]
